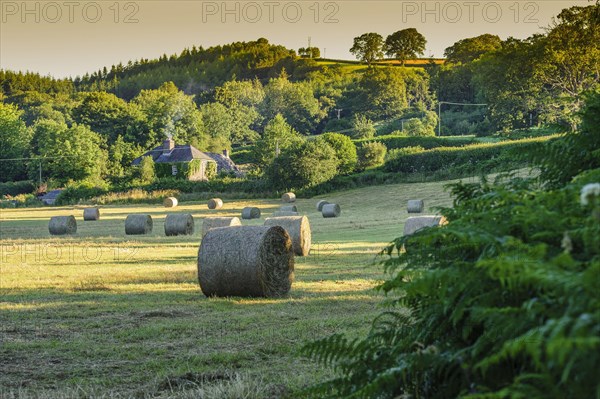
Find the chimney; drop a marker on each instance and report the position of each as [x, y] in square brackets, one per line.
[226, 153]
[168, 145]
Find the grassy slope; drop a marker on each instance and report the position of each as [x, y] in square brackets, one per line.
[100, 312]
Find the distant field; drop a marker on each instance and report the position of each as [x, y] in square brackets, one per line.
[101, 313]
[357, 66]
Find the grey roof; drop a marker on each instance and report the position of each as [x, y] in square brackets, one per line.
[50, 197]
[181, 153]
[223, 163]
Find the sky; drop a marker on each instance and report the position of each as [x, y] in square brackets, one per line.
[69, 37]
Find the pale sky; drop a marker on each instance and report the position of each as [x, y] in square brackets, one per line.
[70, 37]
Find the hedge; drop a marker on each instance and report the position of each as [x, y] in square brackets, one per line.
[473, 156]
[394, 141]
[16, 188]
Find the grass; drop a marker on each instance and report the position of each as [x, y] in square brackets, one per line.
[104, 315]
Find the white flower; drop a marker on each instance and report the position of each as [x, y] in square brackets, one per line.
[588, 191]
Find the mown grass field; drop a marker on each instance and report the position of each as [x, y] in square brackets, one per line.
[102, 314]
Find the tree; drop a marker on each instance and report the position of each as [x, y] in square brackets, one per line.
[295, 101]
[380, 93]
[368, 48]
[468, 50]
[309, 52]
[120, 156]
[147, 174]
[218, 124]
[363, 127]
[172, 113]
[14, 140]
[345, 151]
[371, 154]
[405, 44]
[304, 164]
[110, 116]
[278, 136]
[69, 153]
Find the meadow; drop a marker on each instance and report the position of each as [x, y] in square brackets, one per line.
[106, 315]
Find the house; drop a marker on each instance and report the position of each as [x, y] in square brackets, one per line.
[224, 163]
[50, 197]
[186, 162]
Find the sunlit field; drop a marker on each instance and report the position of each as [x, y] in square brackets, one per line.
[100, 313]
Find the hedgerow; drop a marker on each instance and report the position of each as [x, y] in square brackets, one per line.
[475, 155]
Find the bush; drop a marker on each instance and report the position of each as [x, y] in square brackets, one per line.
[20, 200]
[303, 165]
[363, 127]
[345, 151]
[474, 156]
[371, 154]
[336, 125]
[416, 128]
[17, 187]
[243, 156]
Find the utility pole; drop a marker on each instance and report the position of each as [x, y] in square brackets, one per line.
[339, 112]
[40, 173]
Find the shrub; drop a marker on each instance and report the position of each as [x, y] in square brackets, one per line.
[371, 154]
[16, 188]
[363, 127]
[416, 128]
[304, 165]
[345, 151]
[20, 200]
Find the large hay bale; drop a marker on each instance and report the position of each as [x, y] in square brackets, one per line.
[61, 225]
[250, 212]
[282, 213]
[179, 224]
[215, 203]
[416, 223]
[170, 202]
[212, 223]
[288, 197]
[331, 210]
[138, 224]
[321, 204]
[248, 261]
[415, 206]
[288, 208]
[298, 228]
[91, 214]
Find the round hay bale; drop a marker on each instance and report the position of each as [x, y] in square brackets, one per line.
[170, 202]
[321, 204]
[288, 208]
[298, 228]
[288, 197]
[250, 212]
[416, 223]
[91, 214]
[179, 224]
[415, 206]
[282, 213]
[61, 225]
[138, 224]
[331, 210]
[215, 203]
[248, 261]
[212, 223]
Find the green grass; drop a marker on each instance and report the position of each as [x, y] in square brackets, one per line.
[100, 313]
